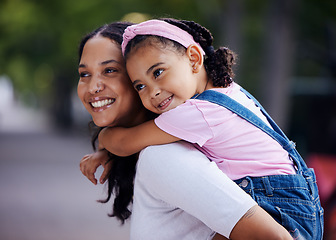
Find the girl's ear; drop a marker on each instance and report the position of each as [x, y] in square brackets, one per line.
[195, 56]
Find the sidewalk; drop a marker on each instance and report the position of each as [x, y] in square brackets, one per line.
[44, 196]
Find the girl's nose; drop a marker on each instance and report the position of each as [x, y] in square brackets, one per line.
[155, 92]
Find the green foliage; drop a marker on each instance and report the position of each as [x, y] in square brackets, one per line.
[316, 38]
[39, 38]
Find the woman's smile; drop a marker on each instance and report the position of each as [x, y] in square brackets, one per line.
[102, 104]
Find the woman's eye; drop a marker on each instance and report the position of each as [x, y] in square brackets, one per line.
[83, 74]
[139, 87]
[157, 73]
[110, 70]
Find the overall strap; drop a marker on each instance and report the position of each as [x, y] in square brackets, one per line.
[276, 133]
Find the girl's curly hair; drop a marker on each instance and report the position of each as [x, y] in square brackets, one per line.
[218, 62]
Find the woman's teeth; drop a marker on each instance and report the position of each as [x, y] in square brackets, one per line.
[102, 103]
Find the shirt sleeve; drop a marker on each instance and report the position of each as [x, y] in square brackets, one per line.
[183, 177]
[186, 122]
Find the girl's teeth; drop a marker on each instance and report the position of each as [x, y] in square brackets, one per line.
[102, 103]
[165, 101]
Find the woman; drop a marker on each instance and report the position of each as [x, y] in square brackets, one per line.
[173, 199]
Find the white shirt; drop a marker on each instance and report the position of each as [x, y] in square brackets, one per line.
[180, 194]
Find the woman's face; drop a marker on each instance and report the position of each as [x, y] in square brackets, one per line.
[104, 86]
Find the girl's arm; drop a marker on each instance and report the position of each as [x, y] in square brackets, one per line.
[127, 141]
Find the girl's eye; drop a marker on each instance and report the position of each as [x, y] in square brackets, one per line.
[157, 73]
[139, 87]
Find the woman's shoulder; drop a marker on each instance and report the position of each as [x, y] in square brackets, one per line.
[167, 158]
[180, 145]
[172, 151]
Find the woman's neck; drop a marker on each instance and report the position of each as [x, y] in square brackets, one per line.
[142, 116]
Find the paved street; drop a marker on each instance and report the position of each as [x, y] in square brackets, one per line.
[43, 195]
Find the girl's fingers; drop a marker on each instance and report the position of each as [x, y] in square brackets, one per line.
[87, 170]
[106, 172]
[92, 179]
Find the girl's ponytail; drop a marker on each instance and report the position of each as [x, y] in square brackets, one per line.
[218, 64]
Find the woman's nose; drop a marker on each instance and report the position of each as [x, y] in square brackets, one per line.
[96, 85]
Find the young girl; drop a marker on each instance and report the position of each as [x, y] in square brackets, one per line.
[171, 64]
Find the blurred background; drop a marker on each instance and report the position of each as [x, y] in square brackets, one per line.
[287, 59]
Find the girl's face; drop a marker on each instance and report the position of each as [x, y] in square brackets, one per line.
[163, 78]
[104, 86]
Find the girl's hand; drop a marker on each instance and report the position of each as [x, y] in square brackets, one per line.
[90, 162]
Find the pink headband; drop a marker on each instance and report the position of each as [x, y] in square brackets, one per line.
[158, 28]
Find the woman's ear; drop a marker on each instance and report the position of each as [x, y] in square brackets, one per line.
[195, 56]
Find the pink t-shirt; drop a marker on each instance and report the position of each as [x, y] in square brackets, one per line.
[238, 148]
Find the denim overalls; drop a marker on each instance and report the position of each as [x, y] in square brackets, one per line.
[292, 200]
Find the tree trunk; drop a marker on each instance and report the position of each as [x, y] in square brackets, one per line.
[231, 17]
[276, 72]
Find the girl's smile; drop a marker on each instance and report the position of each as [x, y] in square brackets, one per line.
[162, 78]
[165, 103]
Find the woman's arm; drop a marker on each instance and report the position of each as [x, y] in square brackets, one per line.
[127, 141]
[258, 224]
